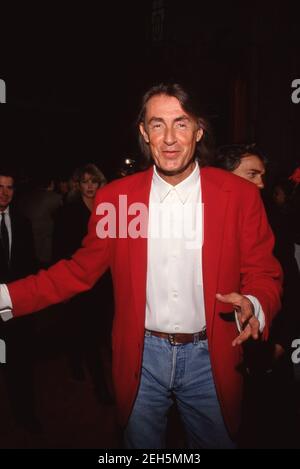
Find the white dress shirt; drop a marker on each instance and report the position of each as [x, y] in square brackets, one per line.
[174, 270]
[175, 299]
[7, 222]
[5, 301]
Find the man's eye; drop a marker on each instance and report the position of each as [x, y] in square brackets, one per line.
[181, 125]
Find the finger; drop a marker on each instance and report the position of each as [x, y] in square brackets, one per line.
[233, 298]
[246, 312]
[254, 324]
[245, 320]
[243, 315]
[242, 337]
[253, 327]
[251, 330]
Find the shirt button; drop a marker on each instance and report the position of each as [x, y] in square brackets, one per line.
[176, 328]
[175, 294]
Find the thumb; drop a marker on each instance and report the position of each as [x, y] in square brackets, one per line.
[223, 298]
[228, 298]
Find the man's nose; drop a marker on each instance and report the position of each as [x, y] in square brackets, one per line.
[169, 136]
[260, 182]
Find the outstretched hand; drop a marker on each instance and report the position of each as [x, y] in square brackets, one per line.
[244, 309]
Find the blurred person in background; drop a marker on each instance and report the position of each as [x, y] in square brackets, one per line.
[17, 258]
[268, 366]
[87, 332]
[40, 206]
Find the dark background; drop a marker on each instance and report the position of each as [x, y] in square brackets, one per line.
[75, 76]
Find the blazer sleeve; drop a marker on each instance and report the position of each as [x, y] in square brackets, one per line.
[261, 273]
[64, 279]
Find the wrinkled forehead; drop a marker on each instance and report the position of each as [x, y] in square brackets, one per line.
[165, 107]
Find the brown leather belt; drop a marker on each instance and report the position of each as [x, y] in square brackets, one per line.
[180, 339]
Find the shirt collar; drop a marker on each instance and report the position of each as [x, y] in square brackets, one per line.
[183, 189]
[6, 211]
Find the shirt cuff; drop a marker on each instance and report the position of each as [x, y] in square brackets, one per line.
[258, 313]
[5, 303]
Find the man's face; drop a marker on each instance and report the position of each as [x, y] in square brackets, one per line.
[252, 169]
[6, 191]
[172, 135]
[88, 186]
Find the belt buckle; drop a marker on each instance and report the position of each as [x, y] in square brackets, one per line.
[172, 339]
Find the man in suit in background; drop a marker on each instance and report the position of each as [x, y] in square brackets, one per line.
[16, 260]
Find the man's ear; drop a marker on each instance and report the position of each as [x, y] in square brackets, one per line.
[199, 135]
[144, 132]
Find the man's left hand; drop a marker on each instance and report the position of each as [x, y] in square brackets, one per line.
[244, 309]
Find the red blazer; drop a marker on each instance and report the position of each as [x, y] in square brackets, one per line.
[237, 256]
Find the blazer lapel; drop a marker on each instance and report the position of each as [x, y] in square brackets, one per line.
[215, 201]
[138, 247]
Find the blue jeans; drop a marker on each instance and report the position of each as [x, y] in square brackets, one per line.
[185, 372]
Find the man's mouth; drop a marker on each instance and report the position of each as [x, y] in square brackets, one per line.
[170, 153]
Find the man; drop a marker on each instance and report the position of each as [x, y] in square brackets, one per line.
[17, 259]
[244, 160]
[170, 330]
[248, 162]
[269, 383]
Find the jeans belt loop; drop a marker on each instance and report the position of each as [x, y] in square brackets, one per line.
[196, 337]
